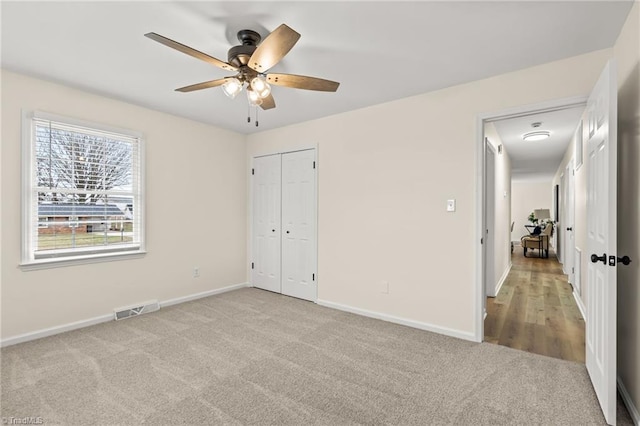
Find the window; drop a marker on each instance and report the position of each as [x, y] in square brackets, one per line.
[82, 191]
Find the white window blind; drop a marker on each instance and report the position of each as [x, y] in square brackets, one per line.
[83, 191]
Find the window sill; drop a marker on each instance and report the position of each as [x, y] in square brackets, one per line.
[35, 265]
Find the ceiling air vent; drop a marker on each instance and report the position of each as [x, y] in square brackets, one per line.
[135, 310]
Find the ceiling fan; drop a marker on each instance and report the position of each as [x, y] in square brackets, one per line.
[252, 60]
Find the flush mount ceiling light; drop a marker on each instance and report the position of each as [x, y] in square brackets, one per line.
[536, 136]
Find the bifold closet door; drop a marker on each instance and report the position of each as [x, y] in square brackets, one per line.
[266, 222]
[299, 224]
[284, 224]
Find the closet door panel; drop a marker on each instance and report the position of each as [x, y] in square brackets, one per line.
[299, 225]
[266, 272]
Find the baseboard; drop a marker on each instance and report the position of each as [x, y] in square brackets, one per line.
[580, 304]
[626, 398]
[21, 338]
[196, 296]
[503, 279]
[397, 320]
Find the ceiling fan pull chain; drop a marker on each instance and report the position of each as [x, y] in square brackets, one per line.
[248, 113]
[256, 116]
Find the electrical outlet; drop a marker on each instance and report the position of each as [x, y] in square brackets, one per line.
[196, 272]
[384, 287]
[451, 205]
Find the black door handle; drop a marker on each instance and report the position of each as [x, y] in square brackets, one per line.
[287, 232]
[569, 229]
[595, 258]
[624, 260]
[273, 230]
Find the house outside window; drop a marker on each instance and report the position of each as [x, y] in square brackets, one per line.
[82, 191]
[43, 222]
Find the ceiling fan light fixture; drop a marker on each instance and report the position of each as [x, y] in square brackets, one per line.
[536, 136]
[232, 87]
[254, 97]
[261, 87]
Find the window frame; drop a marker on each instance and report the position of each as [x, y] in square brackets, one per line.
[29, 222]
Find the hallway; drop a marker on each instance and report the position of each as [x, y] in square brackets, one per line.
[535, 310]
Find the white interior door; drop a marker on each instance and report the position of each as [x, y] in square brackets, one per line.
[299, 224]
[567, 226]
[560, 237]
[266, 222]
[490, 191]
[601, 240]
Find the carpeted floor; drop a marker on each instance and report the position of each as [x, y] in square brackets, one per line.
[254, 357]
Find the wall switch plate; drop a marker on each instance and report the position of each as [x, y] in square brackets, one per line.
[451, 205]
[384, 287]
[196, 272]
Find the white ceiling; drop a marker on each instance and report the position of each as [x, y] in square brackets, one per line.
[538, 160]
[379, 51]
[403, 48]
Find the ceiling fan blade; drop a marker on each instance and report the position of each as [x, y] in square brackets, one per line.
[268, 102]
[190, 51]
[273, 48]
[204, 85]
[302, 82]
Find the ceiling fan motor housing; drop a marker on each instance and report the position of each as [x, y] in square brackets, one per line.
[239, 56]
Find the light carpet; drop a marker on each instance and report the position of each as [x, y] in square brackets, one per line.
[254, 357]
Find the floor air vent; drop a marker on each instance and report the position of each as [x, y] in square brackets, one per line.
[132, 311]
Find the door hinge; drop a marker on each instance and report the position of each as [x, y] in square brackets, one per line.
[314, 164]
[313, 277]
[573, 270]
[481, 240]
[253, 171]
[252, 265]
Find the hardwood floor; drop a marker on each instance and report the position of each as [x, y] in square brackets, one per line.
[535, 310]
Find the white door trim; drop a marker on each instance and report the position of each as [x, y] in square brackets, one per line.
[547, 106]
[250, 158]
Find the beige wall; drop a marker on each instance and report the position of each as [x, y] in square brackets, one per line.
[196, 176]
[627, 54]
[527, 197]
[385, 173]
[502, 209]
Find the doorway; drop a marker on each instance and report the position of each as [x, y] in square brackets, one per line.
[554, 275]
[597, 232]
